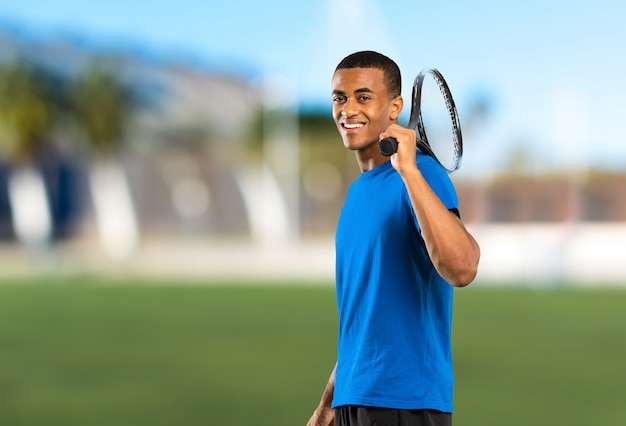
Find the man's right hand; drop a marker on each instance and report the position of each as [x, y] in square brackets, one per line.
[323, 416]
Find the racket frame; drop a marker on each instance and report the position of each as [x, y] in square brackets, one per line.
[416, 120]
[388, 146]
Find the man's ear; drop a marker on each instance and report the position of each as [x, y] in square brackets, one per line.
[395, 107]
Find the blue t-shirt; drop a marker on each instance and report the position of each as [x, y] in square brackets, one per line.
[395, 311]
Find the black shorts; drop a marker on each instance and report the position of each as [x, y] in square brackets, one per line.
[355, 415]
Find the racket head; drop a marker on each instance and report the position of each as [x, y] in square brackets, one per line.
[435, 120]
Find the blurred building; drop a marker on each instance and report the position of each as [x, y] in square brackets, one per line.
[598, 197]
[187, 125]
[199, 168]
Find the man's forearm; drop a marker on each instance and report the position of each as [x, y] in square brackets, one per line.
[452, 249]
[324, 415]
[327, 396]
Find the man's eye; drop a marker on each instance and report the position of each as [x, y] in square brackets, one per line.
[364, 98]
[339, 99]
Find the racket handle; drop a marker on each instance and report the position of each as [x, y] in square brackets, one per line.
[388, 146]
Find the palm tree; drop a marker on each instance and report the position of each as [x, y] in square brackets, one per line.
[101, 107]
[27, 112]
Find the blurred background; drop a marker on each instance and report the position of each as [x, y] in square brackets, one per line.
[147, 147]
[191, 138]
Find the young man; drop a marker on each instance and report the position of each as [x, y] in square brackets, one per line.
[400, 249]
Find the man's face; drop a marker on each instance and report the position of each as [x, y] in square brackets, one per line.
[362, 109]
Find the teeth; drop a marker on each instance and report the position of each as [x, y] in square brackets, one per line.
[353, 125]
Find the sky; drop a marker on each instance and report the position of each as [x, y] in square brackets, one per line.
[550, 72]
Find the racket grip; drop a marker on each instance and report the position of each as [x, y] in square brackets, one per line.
[388, 146]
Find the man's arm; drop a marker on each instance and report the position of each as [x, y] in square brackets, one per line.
[324, 415]
[452, 249]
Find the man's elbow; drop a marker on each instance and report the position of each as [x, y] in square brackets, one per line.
[467, 268]
[461, 275]
[465, 276]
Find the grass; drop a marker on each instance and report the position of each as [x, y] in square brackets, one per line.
[90, 352]
[542, 358]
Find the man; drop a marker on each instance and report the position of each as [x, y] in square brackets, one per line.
[400, 249]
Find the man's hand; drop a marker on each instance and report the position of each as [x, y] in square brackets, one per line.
[404, 158]
[323, 416]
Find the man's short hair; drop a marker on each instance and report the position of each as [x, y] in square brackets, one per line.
[371, 59]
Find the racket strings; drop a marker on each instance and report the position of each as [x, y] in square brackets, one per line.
[447, 150]
[456, 130]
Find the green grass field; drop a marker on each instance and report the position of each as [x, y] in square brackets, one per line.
[91, 352]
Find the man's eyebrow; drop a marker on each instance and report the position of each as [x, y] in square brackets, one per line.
[361, 90]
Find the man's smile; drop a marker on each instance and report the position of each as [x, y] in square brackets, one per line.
[353, 125]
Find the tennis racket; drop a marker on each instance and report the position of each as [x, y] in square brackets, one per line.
[433, 109]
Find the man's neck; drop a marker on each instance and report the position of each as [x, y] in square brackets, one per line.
[369, 158]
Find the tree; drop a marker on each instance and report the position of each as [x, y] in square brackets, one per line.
[29, 106]
[101, 105]
[101, 108]
[28, 109]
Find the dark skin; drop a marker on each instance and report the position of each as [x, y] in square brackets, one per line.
[364, 113]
